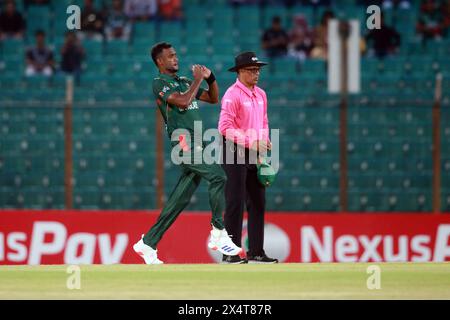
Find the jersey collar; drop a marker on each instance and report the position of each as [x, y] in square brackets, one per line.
[241, 86]
[166, 76]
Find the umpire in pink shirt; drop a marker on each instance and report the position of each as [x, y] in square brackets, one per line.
[244, 126]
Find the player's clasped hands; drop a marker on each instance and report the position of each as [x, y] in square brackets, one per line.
[200, 71]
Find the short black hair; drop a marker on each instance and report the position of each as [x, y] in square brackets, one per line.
[327, 14]
[276, 19]
[158, 48]
[70, 33]
[39, 32]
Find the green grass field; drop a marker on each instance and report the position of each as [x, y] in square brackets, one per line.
[212, 281]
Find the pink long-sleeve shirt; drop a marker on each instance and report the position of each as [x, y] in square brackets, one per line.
[243, 118]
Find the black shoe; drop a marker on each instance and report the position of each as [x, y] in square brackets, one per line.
[261, 259]
[233, 260]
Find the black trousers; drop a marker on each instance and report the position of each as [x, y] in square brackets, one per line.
[243, 188]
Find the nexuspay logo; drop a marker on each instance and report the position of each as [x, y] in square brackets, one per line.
[78, 248]
[326, 247]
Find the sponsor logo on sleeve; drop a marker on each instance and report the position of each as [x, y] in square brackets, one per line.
[164, 90]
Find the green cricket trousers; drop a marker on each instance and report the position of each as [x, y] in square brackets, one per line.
[188, 182]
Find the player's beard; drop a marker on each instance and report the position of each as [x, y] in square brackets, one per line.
[173, 69]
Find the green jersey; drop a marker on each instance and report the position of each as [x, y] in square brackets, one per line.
[175, 118]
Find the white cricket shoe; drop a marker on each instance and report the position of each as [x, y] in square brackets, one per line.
[220, 240]
[146, 252]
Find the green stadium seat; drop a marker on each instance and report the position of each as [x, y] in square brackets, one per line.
[144, 31]
[35, 21]
[272, 11]
[12, 49]
[117, 49]
[93, 49]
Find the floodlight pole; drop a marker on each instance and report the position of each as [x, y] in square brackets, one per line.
[68, 161]
[437, 145]
[344, 33]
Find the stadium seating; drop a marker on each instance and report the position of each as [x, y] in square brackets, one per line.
[389, 122]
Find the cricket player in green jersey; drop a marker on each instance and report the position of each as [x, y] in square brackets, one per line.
[176, 99]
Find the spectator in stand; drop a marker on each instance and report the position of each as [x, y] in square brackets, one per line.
[264, 3]
[72, 55]
[118, 25]
[446, 14]
[275, 39]
[39, 60]
[12, 24]
[92, 22]
[320, 37]
[141, 9]
[383, 42]
[289, 3]
[431, 23]
[36, 2]
[386, 4]
[170, 9]
[401, 4]
[237, 3]
[317, 3]
[300, 44]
